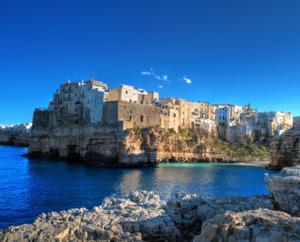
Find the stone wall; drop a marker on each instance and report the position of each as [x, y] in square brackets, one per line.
[131, 115]
[296, 124]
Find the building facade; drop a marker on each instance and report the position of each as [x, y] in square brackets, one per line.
[190, 114]
[93, 103]
[81, 102]
[130, 94]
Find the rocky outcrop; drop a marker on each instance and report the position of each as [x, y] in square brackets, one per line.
[188, 145]
[144, 216]
[285, 187]
[285, 150]
[261, 225]
[18, 135]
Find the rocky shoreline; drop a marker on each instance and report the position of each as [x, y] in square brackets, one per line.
[15, 135]
[144, 216]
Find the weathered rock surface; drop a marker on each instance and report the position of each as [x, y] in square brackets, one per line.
[285, 150]
[142, 216]
[111, 145]
[285, 187]
[139, 215]
[261, 225]
[18, 135]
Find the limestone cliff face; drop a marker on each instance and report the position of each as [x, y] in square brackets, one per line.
[286, 149]
[110, 145]
[99, 144]
[189, 146]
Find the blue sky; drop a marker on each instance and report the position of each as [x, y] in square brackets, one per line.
[232, 51]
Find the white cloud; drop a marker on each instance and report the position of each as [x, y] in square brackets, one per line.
[160, 86]
[165, 77]
[146, 73]
[187, 80]
[151, 72]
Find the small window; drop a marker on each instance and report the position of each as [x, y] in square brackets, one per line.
[174, 115]
[126, 92]
[142, 118]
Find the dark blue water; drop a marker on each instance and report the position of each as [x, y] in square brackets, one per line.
[30, 187]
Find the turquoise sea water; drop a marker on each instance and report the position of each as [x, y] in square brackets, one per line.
[30, 187]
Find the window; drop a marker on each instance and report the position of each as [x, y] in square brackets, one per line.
[174, 115]
[142, 118]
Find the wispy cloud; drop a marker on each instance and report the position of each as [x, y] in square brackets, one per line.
[186, 80]
[149, 72]
[159, 77]
[164, 77]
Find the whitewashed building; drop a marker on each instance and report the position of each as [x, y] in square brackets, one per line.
[84, 99]
[130, 94]
[228, 114]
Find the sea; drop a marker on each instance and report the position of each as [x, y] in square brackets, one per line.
[30, 187]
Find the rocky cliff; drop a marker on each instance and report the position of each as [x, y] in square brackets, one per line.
[18, 135]
[111, 145]
[143, 216]
[285, 150]
[189, 145]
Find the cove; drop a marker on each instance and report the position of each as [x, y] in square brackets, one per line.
[30, 187]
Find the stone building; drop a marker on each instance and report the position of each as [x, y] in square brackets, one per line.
[85, 103]
[190, 114]
[169, 117]
[296, 123]
[248, 125]
[131, 115]
[228, 114]
[129, 94]
[79, 102]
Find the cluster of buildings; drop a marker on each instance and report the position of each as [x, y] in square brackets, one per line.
[238, 124]
[93, 102]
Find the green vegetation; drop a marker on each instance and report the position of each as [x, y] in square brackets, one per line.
[249, 150]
